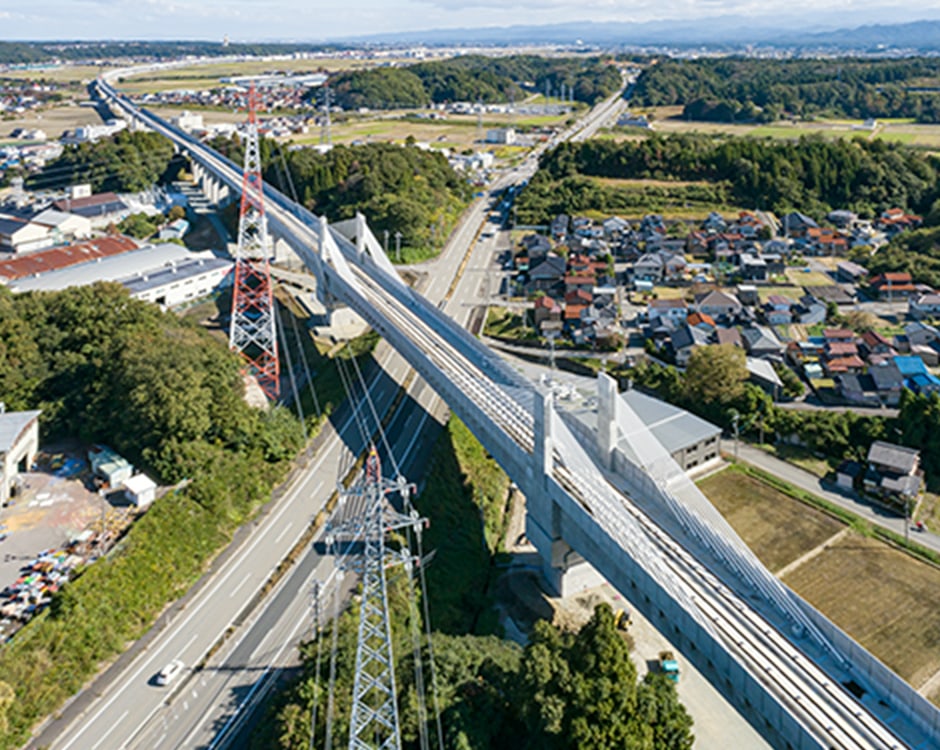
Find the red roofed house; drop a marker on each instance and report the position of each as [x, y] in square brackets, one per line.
[702, 321]
[546, 308]
[841, 365]
[893, 285]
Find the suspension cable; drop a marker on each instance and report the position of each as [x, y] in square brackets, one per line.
[378, 422]
[316, 670]
[330, 704]
[435, 697]
[306, 364]
[414, 616]
[290, 370]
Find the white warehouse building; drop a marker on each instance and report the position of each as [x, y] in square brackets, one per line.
[166, 274]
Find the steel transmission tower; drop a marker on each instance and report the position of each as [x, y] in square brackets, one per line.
[252, 331]
[374, 721]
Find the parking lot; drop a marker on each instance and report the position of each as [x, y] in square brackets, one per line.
[50, 526]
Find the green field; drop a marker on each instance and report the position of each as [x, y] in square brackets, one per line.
[900, 130]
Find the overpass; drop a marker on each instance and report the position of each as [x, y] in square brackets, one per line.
[607, 496]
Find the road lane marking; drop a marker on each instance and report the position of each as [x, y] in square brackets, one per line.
[281, 535]
[114, 726]
[235, 590]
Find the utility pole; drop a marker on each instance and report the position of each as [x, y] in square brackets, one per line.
[398, 246]
[385, 232]
[735, 418]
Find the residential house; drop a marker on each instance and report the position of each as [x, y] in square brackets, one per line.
[835, 293]
[894, 472]
[840, 349]
[778, 310]
[714, 222]
[718, 304]
[762, 373]
[810, 311]
[924, 306]
[671, 309]
[850, 273]
[796, 224]
[874, 345]
[916, 376]
[578, 297]
[895, 220]
[702, 321]
[894, 285]
[615, 226]
[857, 389]
[753, 268]
[850, 363]
[888, 382]
[574, 282]
[536, 247]
[659, 266]
[730, 336]
[777, 246]
[548, 275]
[776, 266]
[559, 227]
[826, 241]
[684, 340]
[546, 308]
[842, 218]
[760, 341]
[747, 294]
[921, 333]
[838, 334]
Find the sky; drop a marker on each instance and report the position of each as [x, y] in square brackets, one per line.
[319, 20]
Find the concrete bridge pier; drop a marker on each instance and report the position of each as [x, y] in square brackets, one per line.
[565, 571]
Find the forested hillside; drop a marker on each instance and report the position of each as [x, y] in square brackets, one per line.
[812, 175]
[126, 162]
[106, 368]
[736, 89]
[474, 78]
[399, 189]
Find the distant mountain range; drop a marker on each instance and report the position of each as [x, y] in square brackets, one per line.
[723, 32]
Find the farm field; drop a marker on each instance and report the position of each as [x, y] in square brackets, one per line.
[208, 75]
[668, 120]
[884, 598]
[53, 121]
[888, 601]
[778, 528]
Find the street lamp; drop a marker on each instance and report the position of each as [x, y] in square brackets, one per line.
[735, 417]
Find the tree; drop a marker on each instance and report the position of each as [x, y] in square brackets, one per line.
[716, 374]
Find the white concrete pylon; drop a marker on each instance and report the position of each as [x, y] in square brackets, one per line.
[606, 417]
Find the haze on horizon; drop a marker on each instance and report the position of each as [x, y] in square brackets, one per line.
[303, 21]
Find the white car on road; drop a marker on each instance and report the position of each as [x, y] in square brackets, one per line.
[170, 672]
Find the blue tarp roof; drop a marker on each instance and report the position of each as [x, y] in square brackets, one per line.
[910, 366]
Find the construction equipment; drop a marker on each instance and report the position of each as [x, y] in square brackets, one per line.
[668, 665]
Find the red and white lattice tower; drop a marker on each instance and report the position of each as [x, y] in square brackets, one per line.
[253, 331]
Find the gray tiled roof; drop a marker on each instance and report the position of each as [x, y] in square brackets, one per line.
[897, 457]
[12, 423]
